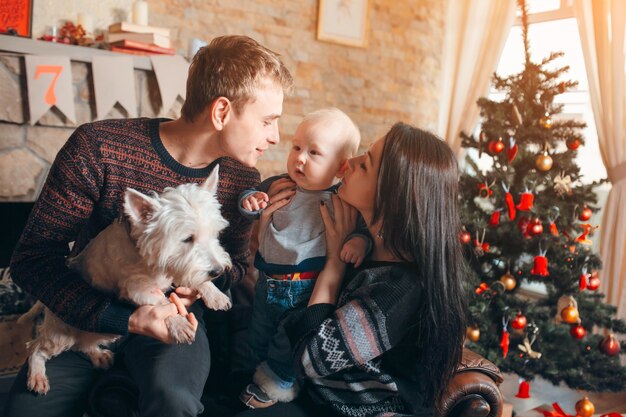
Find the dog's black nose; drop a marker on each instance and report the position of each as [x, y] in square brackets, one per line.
[215, 273]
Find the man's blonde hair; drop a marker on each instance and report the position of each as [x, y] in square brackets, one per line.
[339, 124]
[231, 67]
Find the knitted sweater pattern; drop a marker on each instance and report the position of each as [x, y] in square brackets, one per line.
[84, 193]
[342, 350]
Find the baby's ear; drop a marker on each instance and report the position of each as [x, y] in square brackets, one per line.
[343, 167]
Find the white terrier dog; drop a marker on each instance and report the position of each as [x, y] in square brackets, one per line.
[168, 239]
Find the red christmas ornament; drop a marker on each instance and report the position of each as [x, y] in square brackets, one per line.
[610, 345]
[526, 201]
[482, 288]
[540, 266]
[519, 322]
[495, 146]
[594, 281]
[510, 204]
[494, 220]
[577, 331]
[523, 390]
[583, 237]
[484, 190]
[536, 228]
[511, 153]
[572, 143]
[553, 229]
[523, 223]
[504, 342]
[585, 214]
[582, 282]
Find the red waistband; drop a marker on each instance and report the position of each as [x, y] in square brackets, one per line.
[296, 276]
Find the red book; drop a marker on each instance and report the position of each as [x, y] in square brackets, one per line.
[142, 46]
[130, 51]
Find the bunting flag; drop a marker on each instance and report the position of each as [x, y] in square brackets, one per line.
[171, 74]
[49, 80]
[114, 82]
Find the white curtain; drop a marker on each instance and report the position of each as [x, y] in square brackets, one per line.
[601, 24]
[476, 31]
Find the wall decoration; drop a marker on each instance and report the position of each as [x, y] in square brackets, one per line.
[49, 80]
[114, 82]
[16, 17]
[343, 22]
[171, 74]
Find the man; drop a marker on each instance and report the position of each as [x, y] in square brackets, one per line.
[234, 99]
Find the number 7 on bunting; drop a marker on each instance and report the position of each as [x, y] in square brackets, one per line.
[50, 98]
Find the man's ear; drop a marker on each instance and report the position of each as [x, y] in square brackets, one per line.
[221, 111]
[343, 167]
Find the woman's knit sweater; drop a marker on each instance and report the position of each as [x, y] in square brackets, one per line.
[361, 356]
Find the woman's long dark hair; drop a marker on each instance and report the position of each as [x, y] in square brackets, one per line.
[417, 201]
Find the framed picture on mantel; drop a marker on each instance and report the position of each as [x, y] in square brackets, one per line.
[343, 22]
[16, 17]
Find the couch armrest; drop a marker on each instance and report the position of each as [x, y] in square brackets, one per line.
[473, 390]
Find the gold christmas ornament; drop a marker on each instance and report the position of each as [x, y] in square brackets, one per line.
[544, 162]
[546, 121]
[509, 281]
[473, 333]
[570, 315]
[585, 408]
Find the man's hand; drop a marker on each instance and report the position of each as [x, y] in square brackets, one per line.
[149, 320]
[256, 201]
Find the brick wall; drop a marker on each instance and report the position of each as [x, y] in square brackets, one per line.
[396, 77]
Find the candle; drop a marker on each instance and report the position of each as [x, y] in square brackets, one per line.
[140, 13]
[86, 21]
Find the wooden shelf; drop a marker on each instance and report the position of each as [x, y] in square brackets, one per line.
[26, 46]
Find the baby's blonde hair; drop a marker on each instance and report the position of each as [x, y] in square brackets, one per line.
[334, 120]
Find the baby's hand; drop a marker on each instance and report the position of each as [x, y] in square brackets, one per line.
[256, 201]
[354, 250]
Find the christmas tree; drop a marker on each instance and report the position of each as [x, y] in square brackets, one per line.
[526, 220]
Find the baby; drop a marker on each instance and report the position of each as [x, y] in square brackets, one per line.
[292, 248]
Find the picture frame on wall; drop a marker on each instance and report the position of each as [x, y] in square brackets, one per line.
[16, 17]
[343, 21]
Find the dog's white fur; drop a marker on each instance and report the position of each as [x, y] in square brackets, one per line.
[172, 238]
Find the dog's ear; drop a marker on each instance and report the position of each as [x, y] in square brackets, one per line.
[210, 184]
[139, 207]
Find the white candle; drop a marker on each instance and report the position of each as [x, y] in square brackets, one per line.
[140, 13]
[86, 21]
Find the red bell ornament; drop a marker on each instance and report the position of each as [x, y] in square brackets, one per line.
[526, 202]
[610, 345]
[523, 223]
[523, 390]
[540, 266]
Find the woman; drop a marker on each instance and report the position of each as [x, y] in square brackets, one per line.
[386, 338]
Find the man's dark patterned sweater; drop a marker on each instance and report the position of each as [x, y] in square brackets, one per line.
[361, 356]
[84, 193]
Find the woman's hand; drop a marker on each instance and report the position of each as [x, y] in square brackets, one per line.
[329, 281]
[187, 295]
[338, 229]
